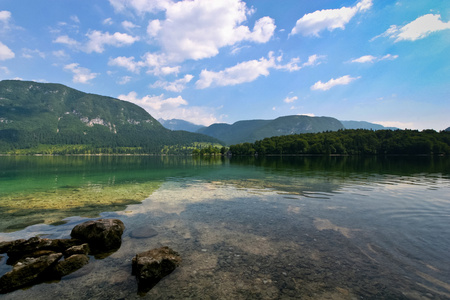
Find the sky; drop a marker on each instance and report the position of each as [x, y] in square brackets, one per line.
[222, 61]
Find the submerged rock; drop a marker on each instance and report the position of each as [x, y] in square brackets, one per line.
[143, 232]
[37, 260]
[70, 265]
[28, 272]
[151, 266]
[102, 235]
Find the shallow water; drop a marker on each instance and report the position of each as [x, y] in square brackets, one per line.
[275, 228]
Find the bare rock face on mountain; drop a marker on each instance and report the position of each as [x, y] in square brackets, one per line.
[102, 235]
[151, 266]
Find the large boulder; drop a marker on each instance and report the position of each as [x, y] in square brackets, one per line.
[28, 272]
[102, 235]
[151, 266]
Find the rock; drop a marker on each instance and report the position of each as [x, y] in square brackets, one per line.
[78, 249]
[36, 246]
[151, 266]
[102, 235]
[143, 232]
[6, 246]
[70, 265]
[29, 271]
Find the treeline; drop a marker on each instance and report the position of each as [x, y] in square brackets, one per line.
[99, 139]
[351, 142]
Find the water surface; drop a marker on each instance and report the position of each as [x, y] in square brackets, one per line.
[267, 228]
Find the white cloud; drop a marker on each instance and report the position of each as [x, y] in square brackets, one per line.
[80, 74]
[175, 86]
[60, 54]
[5, 52]
[330, 19]
[344, 80]
[247, 71]
[108, 21]
[314, 60]
[372, 59]
[140, 6]
[98, 40]
[126, 62]
[290, 99]
[75, 19]
[29, 53]
[5, 16]
[198, 29]
[156, 64]
[417, 29]
[64, 39]
[124, 80]
[365, 59]
[4, 70]
[171, 108]
[129, 25]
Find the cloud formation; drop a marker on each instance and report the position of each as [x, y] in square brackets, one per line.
[172, 108]
[174, 86]
[247, 71]
[418, 29]
[372, 59]
[344, 80]
[5, 52]
[97, 41]
[198, 29]
[328, 19]
[80, 74]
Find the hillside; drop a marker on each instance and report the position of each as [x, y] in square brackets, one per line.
[365, 125]
[177, 124]
[253, 130]
[32, 114]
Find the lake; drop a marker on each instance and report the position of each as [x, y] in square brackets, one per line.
[246, 228]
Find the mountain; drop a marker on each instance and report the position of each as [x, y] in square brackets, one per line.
[365, 125]
[34, 113]
[177, 124]
[253, 130]
[448, 129]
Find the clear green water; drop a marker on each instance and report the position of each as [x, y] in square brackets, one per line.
[273, 228]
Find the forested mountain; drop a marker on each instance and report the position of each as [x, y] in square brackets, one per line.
[253, 130]
[351, 142]
[177, 124]
[32, 114]
[364, 125]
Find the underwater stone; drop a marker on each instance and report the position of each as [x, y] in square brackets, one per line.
[28, 272]
[102, 235]
[151, 266]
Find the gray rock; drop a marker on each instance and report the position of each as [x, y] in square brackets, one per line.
[28, 272]
[151, 266]
[102, 235]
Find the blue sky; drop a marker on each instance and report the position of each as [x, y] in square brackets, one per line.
[209, 61]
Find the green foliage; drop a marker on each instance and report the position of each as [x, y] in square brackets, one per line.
[253, 130]
[351, 142]
[34, 114]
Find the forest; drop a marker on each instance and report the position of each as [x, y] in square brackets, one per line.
[351, 142]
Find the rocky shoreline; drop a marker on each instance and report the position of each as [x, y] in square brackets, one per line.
[39, 260]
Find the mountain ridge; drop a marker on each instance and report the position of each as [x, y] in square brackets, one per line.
[34, 113]
[252, 130]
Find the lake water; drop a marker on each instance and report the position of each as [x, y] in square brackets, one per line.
[246, 228]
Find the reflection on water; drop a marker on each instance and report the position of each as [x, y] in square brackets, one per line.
[274, 228]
